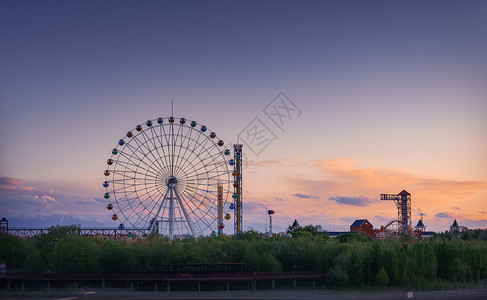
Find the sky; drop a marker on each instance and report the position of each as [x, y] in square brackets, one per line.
[356, 98]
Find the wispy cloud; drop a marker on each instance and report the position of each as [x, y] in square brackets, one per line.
[280, 199]
[304, 196]
[456, 208]
[19, 198]
[474, 223]
[444, 215]
[354, 201]
[94, 201]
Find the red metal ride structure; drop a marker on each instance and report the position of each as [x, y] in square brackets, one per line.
[403, 204]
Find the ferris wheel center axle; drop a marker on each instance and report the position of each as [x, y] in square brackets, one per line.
[171, 181]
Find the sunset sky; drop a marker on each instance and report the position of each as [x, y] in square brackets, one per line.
[383, 96]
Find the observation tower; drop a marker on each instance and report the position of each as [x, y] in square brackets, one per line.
[403, 204]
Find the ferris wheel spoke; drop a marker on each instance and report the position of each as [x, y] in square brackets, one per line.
[151, 140]
[133, 152]
[172, 150]
[189, 200]
[126, 176]
[129, 210]
[209, 153]
[207, 157]
[194, 146]
[194, 163]
[175, 140]
[146, 192]
[130, 184]
[161, 144]
[138, 160]
[148, 151]
[169, 140]
[198, 192]
[175, 145]
[204, 169]
[192, 203]
[143, 143]
[189, 139]
[133, 168]
[201, 214]
[156, 143]
[197, 172]
[158, 203]
[202, 149]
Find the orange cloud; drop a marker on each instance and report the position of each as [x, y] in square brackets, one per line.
[346, 170]
[336, 182]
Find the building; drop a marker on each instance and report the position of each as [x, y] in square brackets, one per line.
[454, 226]
[364, 226]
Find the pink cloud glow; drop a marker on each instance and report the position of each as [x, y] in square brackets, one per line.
[343, 189]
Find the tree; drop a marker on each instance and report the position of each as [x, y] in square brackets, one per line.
[33, 262]
[337, 277]
[12, 252]
[382, 279]
[115, 257]
[76, 254]
[349, 237]
[458, 269]
[313, 230]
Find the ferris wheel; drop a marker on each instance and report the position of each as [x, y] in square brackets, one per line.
[167, 175]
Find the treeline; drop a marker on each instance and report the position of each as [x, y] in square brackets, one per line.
[351, 260]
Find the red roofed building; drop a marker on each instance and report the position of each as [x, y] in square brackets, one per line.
[363, 226]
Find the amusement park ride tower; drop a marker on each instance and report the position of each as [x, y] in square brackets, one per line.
[237, 188]
[220, 209]
[403, 204]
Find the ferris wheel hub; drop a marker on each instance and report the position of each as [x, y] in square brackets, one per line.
[172, 182]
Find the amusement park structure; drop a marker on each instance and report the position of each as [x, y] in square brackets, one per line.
[403, 204]
[220, 209]
[237, 188]
[171, 176]
[168, 175]
[270, 212]
[396, 227]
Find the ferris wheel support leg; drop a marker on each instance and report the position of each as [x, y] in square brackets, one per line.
[188, 220]
[171, 214]
[158, 212]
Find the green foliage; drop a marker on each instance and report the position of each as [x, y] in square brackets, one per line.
[114, 257]
[76, 254]
[458, 270]
[33, 262]
[382, 279]
[337, 277]
[352, 260]
[349, 237]
[307, 231]
[12, 252]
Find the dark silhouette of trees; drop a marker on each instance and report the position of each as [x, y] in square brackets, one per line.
[351, 260]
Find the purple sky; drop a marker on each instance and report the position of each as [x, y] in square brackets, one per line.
[393, 96]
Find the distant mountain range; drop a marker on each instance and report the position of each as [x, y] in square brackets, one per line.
[45, 221]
